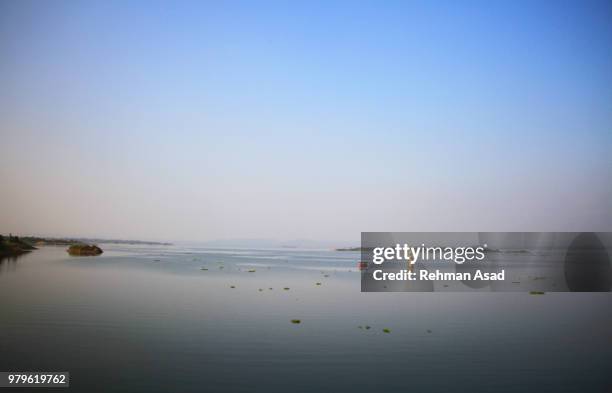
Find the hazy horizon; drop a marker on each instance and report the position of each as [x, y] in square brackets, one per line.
[196, 121]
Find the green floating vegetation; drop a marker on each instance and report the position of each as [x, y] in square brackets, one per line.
[286, 288]
[203, 268]
[367, 327]
[296, 321]
[260, 290]
[269, 289]
[252, 271]
[232, 286]
[387, 330]
[428, 330]
[536, 293]
[220, 267]
[318, 283]
[327, 275]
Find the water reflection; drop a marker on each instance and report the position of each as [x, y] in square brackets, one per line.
[8, 263]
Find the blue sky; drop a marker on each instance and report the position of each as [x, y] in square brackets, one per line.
[205, 120]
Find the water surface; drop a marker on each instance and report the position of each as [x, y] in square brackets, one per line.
[149, 319]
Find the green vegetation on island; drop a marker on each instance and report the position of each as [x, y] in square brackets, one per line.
[12, 245]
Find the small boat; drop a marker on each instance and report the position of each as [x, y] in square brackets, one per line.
[362, 265]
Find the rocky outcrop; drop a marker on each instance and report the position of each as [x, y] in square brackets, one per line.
[84, 250]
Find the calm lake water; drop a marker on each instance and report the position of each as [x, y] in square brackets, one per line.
[149, 319]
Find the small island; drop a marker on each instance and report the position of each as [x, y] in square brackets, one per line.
[84, 250]
[12, 246]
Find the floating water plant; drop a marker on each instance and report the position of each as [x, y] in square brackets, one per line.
[232, 286]
[536, 293]
[367, 327]
[203, 268]
[252, 271]
[286, 288]
[327, 275]
[428, 330]
[296, 321]
[318, 283]
[269, 289]
[387, 330]
[260, 289]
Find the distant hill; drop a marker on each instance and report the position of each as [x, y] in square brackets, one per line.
[352, 249]
[271, 243]
[52, 241]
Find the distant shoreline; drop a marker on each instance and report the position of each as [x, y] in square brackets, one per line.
[354, 249]
[16, 245]
[52, 241]
[12, 246]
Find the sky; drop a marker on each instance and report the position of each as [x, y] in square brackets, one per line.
[304, 120]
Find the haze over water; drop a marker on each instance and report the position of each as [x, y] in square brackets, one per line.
[148, 319]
